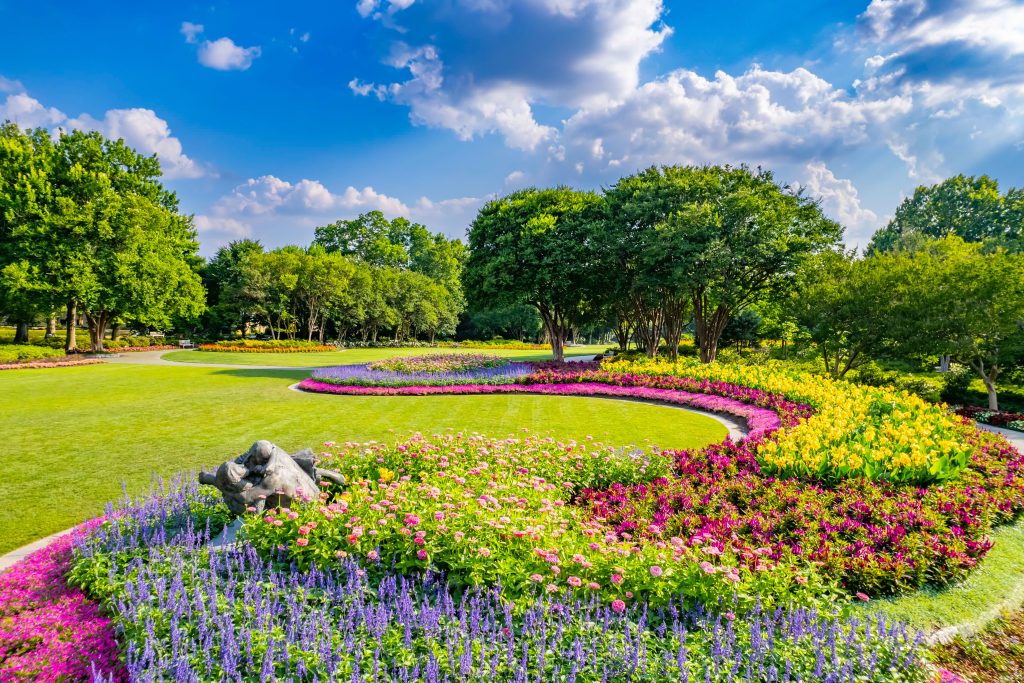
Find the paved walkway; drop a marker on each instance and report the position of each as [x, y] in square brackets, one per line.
[157, 358]
[1013, 436]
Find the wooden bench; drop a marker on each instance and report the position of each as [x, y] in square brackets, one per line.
[186, 344]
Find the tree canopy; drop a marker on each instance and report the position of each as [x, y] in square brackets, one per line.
[86, 224]
[970, 207]
[531, 247]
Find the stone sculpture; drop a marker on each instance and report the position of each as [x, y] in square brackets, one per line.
[266, 477]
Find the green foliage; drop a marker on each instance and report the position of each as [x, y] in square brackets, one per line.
[708, 241]
[15, 353]
[956, 383]
[85, 222]
[530, 247]
[969, 207]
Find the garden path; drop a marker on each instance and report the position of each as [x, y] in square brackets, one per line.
[1014, 437]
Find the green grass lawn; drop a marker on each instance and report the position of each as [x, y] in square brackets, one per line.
[72, 435]
[352, 356]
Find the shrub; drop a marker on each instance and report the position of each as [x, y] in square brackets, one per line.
[17, 353]
[270, 346]
[956, 383]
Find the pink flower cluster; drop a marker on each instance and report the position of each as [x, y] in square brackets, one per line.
[49, 631]
[49, 363]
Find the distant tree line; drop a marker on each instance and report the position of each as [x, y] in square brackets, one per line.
[360, 278]
[724, 254]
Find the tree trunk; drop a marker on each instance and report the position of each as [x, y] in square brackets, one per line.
[70, 341]
[557, 333]
[988, 377]
[993, 400]
[709, 326]
[97, 326]
[21, 333]
[51, 326]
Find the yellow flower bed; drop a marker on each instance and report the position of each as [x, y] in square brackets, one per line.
[857, 430]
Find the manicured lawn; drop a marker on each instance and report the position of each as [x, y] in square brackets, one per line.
[72, 435]
[352, 356]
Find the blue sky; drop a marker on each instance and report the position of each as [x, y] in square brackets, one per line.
[272, 118]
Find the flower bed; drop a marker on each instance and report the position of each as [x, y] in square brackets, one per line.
[326, 380]
[856, 430]
[62, 362]
[191, 614]
[438, 363]
[48, 630]
[136, 349]
[876, 535]
[997, 418]
[269, 348]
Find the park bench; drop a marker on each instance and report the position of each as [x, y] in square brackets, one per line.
[186, 344]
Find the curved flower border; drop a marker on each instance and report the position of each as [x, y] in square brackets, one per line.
[760, 421]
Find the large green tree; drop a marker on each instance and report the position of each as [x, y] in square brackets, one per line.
[87, 223]
[959, 299]
[847, 306]
[640, 284]
[737, 238]
[531, 247]
[970, 207]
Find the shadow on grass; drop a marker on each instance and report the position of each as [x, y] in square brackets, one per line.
[273, 373]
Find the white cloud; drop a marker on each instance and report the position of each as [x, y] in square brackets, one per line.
[222, 54]
[9, 85]
[146, 132]
[28, 112]
[840, 200]
[221, 226]
[191, 31]
[759, 116]
[286, 212]
[140, 128]
[515, 179]
[522, 53]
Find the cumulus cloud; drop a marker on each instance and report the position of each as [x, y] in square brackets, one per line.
[28, 112]
[224, 55]
[219, 228]
[146, 132]
[484, 68]
[839, 200]
[271, 205]
[759, 116]
[140, 128]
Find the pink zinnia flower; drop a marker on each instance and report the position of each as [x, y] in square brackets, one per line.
[618, 606]
[422, 553]
[575, 581]
[302, 541]
[617, 579]
[655, 570]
